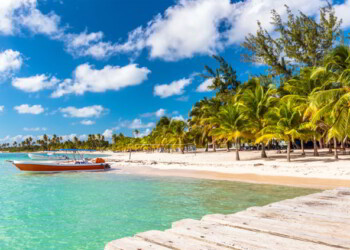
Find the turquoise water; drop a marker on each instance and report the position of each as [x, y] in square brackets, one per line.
[87, 210]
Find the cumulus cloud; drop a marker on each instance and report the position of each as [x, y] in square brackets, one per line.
[18, 14]
[174, 88]
[159, 113]
[187, 28]
[178, 118]
[87, 122]
[88, 79]
[135, 124]
[36, 129]
[142, 134]
[34, 83]
[216, 24]
[10, 61]
[26, 109]
[109, 132]
[203, 87]
[85, 112]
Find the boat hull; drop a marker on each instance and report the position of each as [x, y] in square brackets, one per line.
[52, 167]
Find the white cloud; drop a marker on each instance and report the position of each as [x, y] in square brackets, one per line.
[178, 118]
[142, 134]
[88, 79]
[26, 109]
[70, 137]
[108, 133]
[85, 112]
[35, 129]
[39, 23]
[342, 11]
[216, 24]
[2, 108]
[203, 87]
[136, 124]
[174, 88]
[159, 113]
[35, 83]
[87, 122]
[185, 29]
[10, 61]
[17, 14]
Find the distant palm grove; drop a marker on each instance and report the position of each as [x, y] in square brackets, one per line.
[303, 97]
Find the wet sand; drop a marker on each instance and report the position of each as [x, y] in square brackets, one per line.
[318, 183]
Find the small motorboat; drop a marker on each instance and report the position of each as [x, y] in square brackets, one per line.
[78, 163]
[49, 156]
[42, 167]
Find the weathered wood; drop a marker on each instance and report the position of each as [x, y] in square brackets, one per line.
[133, 243]
[316, 221]
[177, 242]
[300, 231]
[237, 238]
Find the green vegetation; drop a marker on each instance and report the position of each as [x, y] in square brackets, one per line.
[304, 96]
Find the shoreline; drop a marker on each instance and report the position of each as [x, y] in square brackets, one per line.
[290, 181]
[308, 171]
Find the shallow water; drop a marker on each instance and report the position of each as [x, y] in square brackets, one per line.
[87, 210]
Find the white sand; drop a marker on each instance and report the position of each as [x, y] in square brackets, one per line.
[224, 162]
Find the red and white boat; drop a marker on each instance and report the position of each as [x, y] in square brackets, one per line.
[36, 166]
[62, 166]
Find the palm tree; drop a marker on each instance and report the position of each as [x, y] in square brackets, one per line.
[257, 101]
[284, 124]
[299, 89]
[233, 124]
[177, 134]
[332, 101]
[136, 132]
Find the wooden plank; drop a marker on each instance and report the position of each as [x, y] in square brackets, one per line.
[294, 216]
[238, 238]
[133, 243]
[320, 235]
[175, 241]
[316, 221]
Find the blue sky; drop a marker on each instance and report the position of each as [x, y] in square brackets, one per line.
[83, 67]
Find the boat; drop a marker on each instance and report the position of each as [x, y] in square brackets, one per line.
[49, 156]
[47, 166]
[75, 164]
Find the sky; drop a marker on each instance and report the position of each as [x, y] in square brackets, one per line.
[79, 67]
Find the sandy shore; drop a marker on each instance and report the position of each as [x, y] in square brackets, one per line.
[304, 171]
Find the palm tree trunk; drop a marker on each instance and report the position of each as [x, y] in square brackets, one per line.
[207, 147]
[263, 153]
[237, 150]
[288, 151]
[321, 143]
[335, 149]
[228, 146]
[343, 144]
[330, 147]
[315, 147]
[302, 147]
[214, 146]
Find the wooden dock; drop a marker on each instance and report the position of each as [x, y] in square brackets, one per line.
[316, 221]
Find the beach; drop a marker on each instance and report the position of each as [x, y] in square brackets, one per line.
[303, 171]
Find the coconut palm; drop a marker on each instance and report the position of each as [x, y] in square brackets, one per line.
[284, 124]
[177, 134]
[299, 90]
[257, 101]
[333, 100]
[233, 124]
